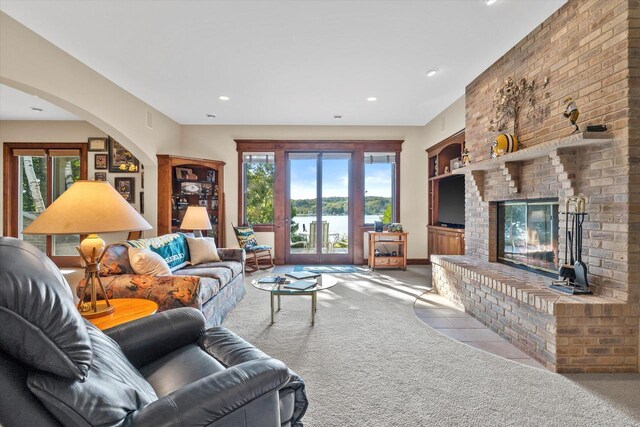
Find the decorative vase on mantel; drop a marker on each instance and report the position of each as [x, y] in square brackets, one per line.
[504, 143]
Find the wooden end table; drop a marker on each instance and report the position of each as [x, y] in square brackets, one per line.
[125, 310]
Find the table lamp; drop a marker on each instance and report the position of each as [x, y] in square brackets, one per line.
[196, 219]
[88, 208]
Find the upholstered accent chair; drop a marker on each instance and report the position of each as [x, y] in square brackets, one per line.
[258, 256]
[57, 369]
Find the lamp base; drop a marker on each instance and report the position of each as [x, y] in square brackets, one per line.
[101, 310]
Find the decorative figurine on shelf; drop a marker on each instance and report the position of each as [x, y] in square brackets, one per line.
[503, 144]
[572, 113]
[466, 159]
[446, 169]
[394, 227]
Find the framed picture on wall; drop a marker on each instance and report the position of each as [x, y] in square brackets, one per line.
[126, 188]
[142, 202]
[100, 176]
[100, 161]
[97, 144]
[121, 159]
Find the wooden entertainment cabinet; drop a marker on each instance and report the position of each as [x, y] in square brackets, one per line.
[443, 240]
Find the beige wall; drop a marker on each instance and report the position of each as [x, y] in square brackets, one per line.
[33, 65]
[445, 124]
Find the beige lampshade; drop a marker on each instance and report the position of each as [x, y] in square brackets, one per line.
[196, 218]
[88, 207]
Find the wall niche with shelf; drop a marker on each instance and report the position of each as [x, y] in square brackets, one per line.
[184, 182]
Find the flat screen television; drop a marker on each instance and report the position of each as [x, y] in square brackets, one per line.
[451, 202]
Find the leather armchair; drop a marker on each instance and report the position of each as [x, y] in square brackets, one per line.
[163, 370]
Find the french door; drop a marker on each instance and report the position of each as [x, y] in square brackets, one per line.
[36, 175]
[320, 200]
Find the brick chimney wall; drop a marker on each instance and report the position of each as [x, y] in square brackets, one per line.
[590, 51]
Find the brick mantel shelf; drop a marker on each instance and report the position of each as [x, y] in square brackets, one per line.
[510, 163]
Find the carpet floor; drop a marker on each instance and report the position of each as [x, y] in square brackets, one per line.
[369, 361]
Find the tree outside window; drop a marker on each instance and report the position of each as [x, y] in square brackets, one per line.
[259, 179]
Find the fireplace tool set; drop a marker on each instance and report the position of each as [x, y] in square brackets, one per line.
[573, 272]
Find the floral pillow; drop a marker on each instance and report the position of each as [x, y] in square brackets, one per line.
[246, 236]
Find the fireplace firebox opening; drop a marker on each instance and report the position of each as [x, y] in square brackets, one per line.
[528, 235]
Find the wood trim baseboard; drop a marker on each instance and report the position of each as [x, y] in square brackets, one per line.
[418, 261]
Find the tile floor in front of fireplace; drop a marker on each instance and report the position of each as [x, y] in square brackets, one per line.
[443, 316]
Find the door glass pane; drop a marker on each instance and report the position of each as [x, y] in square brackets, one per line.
[64, 172]
[303, 172]
[379, 185]
[334, 236]
[32, 196]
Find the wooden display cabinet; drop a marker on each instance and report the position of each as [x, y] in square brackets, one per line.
[387, 242]
[443, 240]
[178, 189]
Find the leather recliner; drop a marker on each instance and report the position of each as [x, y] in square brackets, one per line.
[164, 370]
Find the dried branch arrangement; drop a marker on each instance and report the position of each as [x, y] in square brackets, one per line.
[510, 100]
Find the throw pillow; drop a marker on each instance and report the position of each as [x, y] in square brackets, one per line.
[202, 249]
[112, 391]
[172, 247]
[246, 236]
[145, 261]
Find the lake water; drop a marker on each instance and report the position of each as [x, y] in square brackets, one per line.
[337, 224]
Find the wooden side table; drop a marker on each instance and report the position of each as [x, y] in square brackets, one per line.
[125, 310]
[386, 242]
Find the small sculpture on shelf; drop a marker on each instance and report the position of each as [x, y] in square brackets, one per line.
[466, 158]
[503, 144]
[571, 112]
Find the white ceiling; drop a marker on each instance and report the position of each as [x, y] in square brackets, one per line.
[17, 105]
[287, 62]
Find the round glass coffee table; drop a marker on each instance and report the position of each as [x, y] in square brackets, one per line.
[276, 291]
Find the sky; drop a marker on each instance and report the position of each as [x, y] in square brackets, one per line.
[336, 178]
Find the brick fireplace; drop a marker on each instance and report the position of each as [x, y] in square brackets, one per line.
[589, 50]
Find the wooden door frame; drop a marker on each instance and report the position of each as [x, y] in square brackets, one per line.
[10, 183]
[356, 147]
[318, 257]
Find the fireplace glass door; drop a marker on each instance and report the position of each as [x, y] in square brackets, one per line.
[528, 234]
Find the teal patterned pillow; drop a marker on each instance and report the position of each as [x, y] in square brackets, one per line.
[246, 236]
[172, 247]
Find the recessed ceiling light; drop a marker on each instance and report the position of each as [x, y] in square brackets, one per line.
[211, 116]
[489, 2]
[337, 116]
[431, 73]
[372, 99]
[36, 109]
[223, 98]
